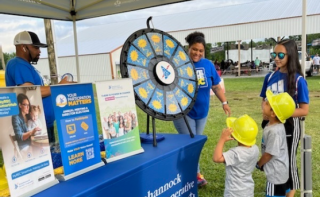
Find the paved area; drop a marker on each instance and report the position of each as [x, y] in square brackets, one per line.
[261, 73]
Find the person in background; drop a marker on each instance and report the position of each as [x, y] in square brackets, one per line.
[253, 66]
[121, 129]
[316, 63]
[288, 78]
[115, 119]
[274, 160]
[240, 161]
[105, 126]
[222, 65]
[21, 72]
[208, 78]
[257, 64]
[128, 124]
[112, 131]
[134, 121]
[216, 62]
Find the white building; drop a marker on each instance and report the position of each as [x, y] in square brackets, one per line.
[100, 46]
[245, 55]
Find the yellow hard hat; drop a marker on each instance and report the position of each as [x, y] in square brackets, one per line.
[245, 129]
[282, 104]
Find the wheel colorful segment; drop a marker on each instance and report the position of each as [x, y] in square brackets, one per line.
[163, 75]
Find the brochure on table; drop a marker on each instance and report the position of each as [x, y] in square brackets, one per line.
[27, 157]
[119, 121]
[77, 128]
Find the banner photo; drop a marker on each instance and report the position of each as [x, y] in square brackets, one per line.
[76, 120]
[24, 141]
[119, 121]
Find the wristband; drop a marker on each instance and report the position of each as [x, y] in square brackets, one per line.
[259, 168]
[225, 103]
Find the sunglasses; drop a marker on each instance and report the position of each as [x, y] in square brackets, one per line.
[280, 55]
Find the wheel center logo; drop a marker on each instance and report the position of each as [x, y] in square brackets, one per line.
[165, 72]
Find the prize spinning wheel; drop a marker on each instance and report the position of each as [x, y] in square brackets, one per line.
[163, 75]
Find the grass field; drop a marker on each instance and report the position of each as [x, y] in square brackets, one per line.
[243, 97]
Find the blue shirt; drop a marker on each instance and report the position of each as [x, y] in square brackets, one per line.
[19, 128]
[18, 72]
[207, 77]
[278, 83]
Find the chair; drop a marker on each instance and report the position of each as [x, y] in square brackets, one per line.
[15, 145]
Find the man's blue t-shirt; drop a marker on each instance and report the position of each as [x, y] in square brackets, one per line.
[207, 77]
[19, 71]
[278, 83]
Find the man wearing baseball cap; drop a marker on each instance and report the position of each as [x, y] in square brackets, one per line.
[28, 46]
[21, 72]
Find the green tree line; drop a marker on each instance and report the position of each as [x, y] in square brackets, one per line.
[267, 43]
[7, 57]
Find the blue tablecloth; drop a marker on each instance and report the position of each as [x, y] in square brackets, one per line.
[168, 170]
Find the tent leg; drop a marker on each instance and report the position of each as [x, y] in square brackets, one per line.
[307, 170]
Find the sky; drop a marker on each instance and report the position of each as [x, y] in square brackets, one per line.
[10, 25]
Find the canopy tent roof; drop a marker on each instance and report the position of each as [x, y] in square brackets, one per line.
[252, 12]
[107, 37]
[81, 9]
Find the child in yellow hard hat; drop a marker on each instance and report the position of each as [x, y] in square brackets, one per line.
[240, 161]
[274, 160]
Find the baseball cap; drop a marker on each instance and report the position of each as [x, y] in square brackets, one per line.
[28, 37]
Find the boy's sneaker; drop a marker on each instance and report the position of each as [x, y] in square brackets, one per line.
[200, 180]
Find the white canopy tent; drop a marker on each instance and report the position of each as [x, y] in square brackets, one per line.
[73, 10]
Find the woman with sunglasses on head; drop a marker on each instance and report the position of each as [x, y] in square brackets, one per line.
[289, 78]
[208, 78]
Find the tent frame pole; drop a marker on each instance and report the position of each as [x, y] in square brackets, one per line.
[76, 48]
[303, 63]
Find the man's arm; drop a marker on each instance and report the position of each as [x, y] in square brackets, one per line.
[45, 90]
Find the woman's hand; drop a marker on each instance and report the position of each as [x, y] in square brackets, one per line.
[226, 109]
